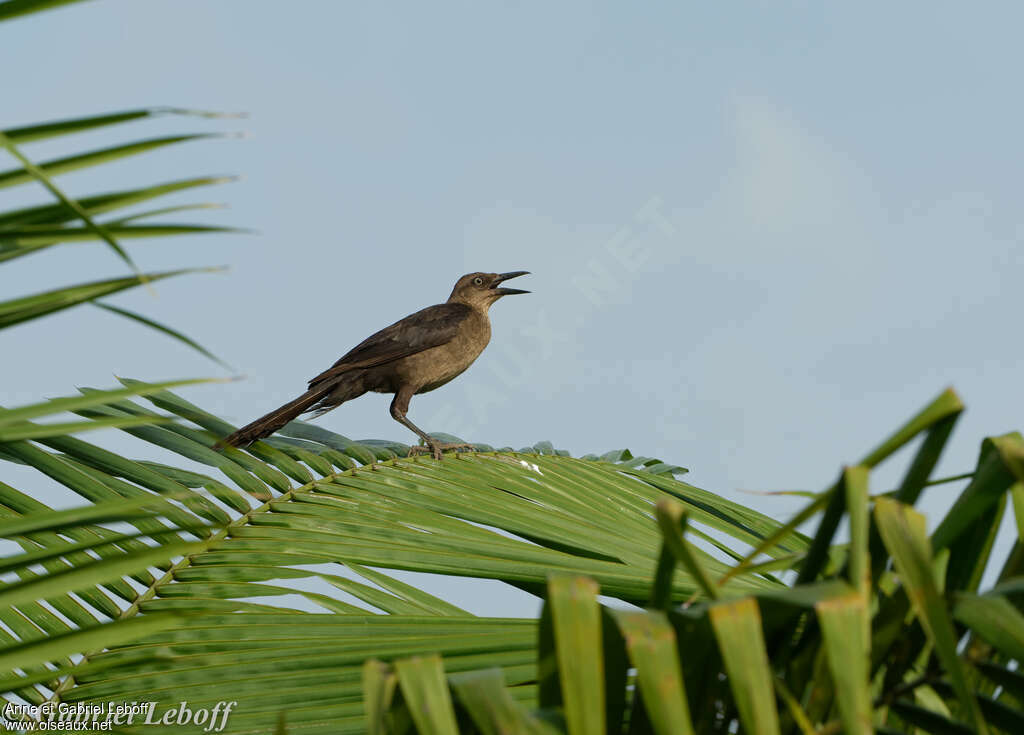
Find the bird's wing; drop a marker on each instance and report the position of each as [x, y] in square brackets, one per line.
[427, 328]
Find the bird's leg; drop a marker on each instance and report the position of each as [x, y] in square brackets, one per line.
[431, 443]
[399, 406]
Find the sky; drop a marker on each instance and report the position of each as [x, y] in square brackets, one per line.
[761, 235]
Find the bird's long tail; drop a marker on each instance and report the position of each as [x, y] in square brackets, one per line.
[267, 425]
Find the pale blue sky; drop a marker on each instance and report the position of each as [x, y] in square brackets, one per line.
[810, 215]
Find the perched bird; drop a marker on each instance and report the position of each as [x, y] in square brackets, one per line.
[414, 355]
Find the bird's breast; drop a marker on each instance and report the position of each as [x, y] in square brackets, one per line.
[433, 368]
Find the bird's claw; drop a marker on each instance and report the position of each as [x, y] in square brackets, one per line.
[435, 448]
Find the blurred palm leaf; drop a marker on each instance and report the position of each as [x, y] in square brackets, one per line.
[10, 9]
[33, 229]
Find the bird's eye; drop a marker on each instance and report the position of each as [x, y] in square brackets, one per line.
[478, 281]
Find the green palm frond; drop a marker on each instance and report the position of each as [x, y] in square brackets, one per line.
[53, 215]
[27, 308]
[852, 645]
[10, 9]
[30, 230]
[279, 568]
[294, 586]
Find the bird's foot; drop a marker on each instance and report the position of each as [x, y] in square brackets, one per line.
[435, 448]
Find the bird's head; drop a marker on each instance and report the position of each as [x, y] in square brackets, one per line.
[480, 290]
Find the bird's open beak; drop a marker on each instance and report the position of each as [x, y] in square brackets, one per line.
[504, 277]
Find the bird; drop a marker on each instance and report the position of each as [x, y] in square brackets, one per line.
[417, 354]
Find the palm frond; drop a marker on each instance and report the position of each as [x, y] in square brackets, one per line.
[316, 524]
[30, 230]
[850, 646]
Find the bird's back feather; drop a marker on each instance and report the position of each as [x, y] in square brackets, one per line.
[427, 328]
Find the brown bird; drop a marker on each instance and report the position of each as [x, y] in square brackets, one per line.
[414, 355]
